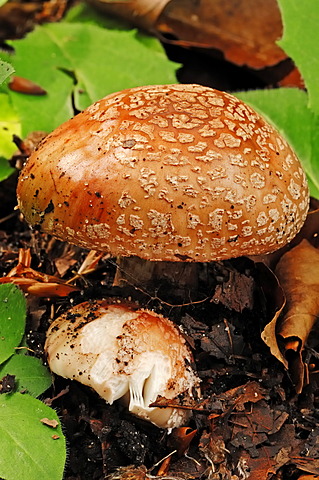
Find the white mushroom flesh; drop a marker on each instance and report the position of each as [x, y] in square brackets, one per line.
[124, 353]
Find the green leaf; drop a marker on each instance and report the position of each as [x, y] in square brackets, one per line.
[301, 42]
[286, 108]
[9, 125]
[12, 319]
[5, 70]
[84, 13]
[31, 375]
[28, 450]
[84, 62]
[44, 68]
[5, 169]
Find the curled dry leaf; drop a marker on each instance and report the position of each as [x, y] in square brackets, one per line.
[26, 86]
[236, 291]
[274, 296]
[142, 13]
[34, 282]
[298, 274]
[208, 24]
[90, 263]
[212, 25]
[50, 423]
[132, 472]
[181, 438]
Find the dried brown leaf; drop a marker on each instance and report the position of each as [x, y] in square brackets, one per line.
[26, 86]
[236, 293]
[252, 427]
[34, 282]
[142, 13]
[181, 438]
[218, 25]
[210, 25]
[308, 464]
[50, 423]
[298, 275]
[274, 296]
[308, 477]
[90, 263]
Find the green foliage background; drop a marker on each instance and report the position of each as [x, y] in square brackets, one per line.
[27, 447]
[77, 61]
[294, 112]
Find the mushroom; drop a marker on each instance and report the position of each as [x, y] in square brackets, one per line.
[166, 172]
[124, 352]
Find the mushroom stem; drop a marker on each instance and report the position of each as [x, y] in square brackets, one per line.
[180, 278]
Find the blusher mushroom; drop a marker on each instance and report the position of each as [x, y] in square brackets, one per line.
[124, 353]
[167, 172]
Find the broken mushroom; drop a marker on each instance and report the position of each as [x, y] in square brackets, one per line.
[166, 172]
[124, 353]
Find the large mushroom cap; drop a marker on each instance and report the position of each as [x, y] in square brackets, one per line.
[167, 172]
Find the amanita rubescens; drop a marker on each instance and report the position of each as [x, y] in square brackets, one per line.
[167, 172]
[124, 353]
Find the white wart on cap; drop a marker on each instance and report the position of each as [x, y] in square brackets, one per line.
[167, 172]
[124, 353]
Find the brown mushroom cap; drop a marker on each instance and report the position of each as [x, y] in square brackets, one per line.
[167, 172]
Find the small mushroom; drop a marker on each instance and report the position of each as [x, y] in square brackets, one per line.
[124, 353]
[167, 172]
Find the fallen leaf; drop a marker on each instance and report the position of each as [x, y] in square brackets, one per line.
[50, 423]
[274, 296]
[222, 341]
[213, 449]
[236, 291]
[259, 467]
[211, 25]
[307, 464]
[278, 451]
[26, 86]
[65, 262]
[298, 274]
[137, 12]
[252, 427]
[214, 25]
[181, 438]
[238, 396]
[34, 282]
[90, 263]
[308, 477]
